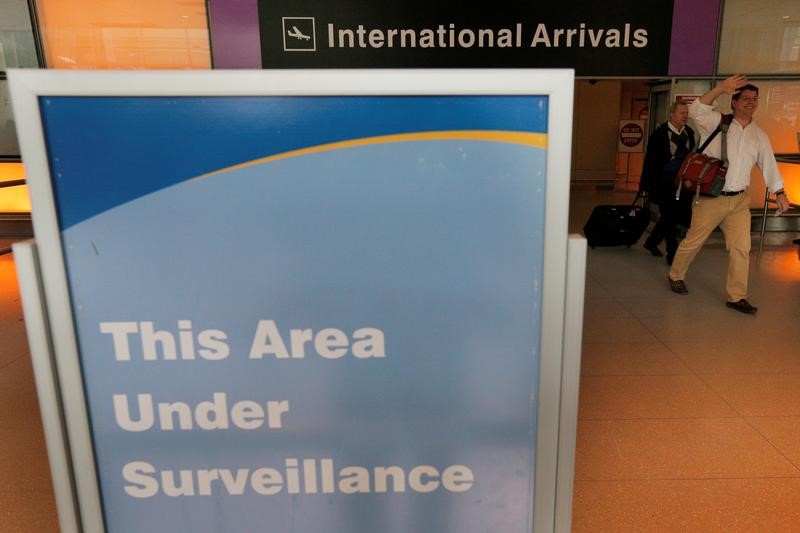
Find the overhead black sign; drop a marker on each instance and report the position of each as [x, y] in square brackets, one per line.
[611, 38]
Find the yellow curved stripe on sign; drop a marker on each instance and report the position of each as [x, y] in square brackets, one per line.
[536, 140]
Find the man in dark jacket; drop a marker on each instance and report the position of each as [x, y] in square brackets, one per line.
[666, 149]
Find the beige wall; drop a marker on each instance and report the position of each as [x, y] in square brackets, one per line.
[597, 113]
[634, 105]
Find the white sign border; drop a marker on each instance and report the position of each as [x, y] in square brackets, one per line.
[557, 84]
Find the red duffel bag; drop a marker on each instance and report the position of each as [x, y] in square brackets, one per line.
[701, 174]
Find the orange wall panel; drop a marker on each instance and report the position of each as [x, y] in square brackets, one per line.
[125, 34]
[791, 181]
[13, 199]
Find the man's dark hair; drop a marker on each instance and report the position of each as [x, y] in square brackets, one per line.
[748, 87]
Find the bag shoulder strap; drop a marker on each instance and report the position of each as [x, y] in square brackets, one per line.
[724, 122]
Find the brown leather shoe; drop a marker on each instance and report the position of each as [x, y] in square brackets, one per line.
[743, 306]
[678, 286]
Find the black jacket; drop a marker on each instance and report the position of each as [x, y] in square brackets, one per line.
[657, 175]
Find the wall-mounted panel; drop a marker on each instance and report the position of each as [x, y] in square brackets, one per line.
[119, 34]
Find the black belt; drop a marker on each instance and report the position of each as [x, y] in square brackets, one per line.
[731, 193]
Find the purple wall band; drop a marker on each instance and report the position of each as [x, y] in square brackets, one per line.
[694, 37]
[235, 39]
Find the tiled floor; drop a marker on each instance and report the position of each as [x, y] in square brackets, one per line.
[689, 412]
[689, 416]
[26, 494]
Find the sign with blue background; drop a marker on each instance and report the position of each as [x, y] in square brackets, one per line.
[306, 313]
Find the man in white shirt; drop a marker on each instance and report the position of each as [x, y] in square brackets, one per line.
[747, 145]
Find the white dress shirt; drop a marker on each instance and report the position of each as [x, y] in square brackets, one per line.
[747, 146]
[673, 128]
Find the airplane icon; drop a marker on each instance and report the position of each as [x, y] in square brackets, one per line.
[297, 34]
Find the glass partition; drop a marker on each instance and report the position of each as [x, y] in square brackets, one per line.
[760, 37]
[17, 49]
[9, 148]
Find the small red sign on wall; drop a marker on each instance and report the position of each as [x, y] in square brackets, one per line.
[631, 136]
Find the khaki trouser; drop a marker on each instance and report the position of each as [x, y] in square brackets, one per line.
[732, 215]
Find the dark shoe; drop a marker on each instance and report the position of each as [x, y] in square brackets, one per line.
[678, 286]
[653, 249]
[743, 306]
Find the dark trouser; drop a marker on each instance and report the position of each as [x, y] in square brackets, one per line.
[673, 212]
[665, 229]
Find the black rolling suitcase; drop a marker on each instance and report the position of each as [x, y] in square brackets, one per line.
[616, 225]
